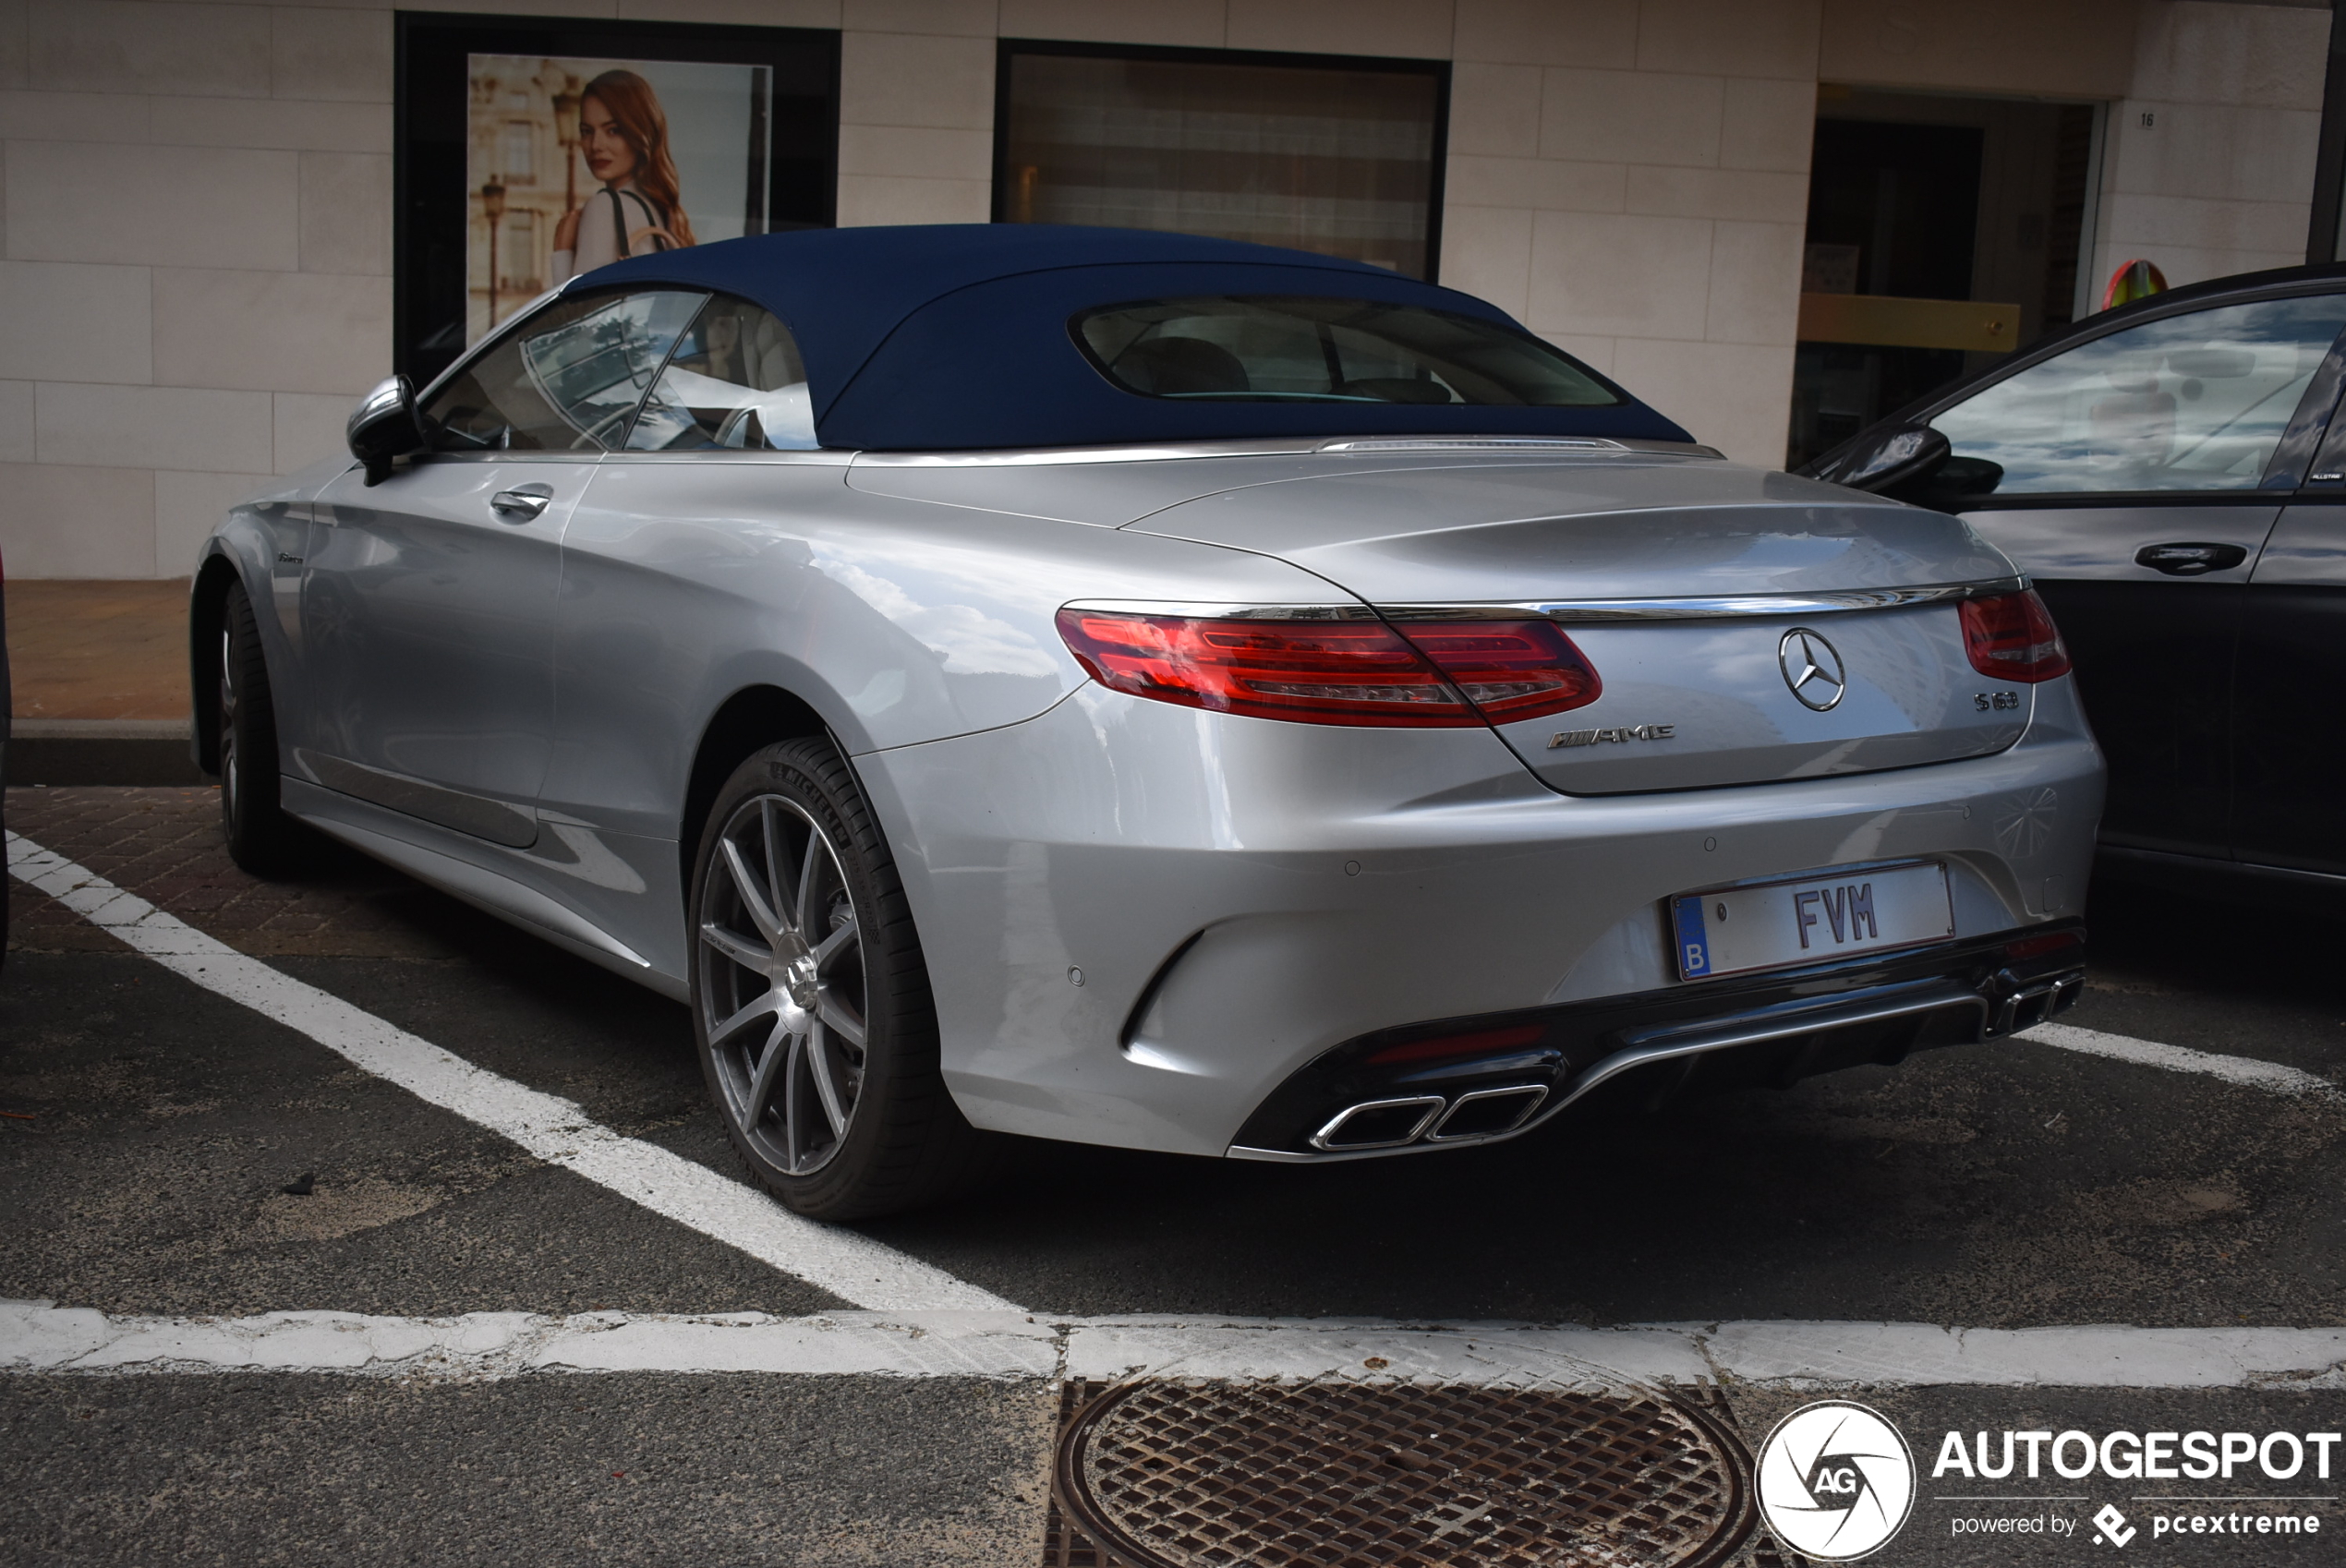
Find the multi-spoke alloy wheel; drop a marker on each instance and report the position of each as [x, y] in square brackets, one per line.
[782, 987]
[810, 996]
[261, 837]
[231, 796]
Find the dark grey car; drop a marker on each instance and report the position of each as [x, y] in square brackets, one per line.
[2170, 476]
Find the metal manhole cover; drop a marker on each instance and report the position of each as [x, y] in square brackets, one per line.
[1201, 1475]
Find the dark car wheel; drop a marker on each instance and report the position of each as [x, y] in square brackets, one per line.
[810, 996]
[261, 837]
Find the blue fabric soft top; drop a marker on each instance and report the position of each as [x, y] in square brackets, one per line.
[952, 336]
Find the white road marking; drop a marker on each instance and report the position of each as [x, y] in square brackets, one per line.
[2246, 1071]
[878, 1277]
[556, 1130]
[38, 1337]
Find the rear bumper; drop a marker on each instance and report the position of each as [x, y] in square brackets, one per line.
[1481, 1079]
[1140, 921]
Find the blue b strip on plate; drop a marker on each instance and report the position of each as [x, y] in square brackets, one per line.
[1694, 942]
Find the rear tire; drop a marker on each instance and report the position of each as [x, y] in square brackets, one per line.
[811, 1003]
[261, 838]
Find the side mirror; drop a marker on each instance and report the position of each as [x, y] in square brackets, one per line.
[385, 426]
[1882, 458]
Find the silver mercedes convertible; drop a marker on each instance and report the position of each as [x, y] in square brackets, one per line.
[1148, 691]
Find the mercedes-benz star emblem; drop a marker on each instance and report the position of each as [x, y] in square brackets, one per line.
[1811, 668]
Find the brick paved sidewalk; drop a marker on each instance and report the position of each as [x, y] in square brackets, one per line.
[93, 650]
[165, 845]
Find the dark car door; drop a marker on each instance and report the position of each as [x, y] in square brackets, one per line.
[427, 603]
[2132, 475]
[2288, 743]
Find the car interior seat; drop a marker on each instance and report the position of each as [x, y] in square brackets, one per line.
[1173, 365]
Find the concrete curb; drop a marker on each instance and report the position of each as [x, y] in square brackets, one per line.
[101, 751]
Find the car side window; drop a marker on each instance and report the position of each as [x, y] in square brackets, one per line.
[735, 382]
[2195, 402]
[564, 380]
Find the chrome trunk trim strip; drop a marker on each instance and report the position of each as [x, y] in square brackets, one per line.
[1033, 457]
[1285, 446]
[1722, 607]
[1578, 611]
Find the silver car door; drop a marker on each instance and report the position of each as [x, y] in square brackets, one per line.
[428, 600]
[2128, 477]
[677, 524]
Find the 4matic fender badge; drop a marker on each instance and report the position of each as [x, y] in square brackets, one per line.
[1598, 737]
[1836, 1480]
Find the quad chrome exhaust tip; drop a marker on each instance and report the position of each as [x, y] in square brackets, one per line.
[1394, 1124]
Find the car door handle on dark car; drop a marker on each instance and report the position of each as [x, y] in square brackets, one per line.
[521, 503]
[2190, 561]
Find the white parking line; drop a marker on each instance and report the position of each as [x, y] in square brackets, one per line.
[554, 1129]
[38, 1337]
[2246, 1071]
[851, 1266]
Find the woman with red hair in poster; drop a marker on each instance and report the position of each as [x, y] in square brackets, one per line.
[622, 133]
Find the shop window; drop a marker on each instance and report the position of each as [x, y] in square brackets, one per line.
[1340, 156]
[1943, 233]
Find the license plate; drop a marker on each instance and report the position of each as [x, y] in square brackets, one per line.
[1804, 920]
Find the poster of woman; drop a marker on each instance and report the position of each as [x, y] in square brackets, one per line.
[575, 163]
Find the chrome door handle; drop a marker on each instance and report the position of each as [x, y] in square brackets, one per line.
[2190, 561]
[521, 503]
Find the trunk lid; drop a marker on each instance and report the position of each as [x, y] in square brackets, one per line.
[1623, 552]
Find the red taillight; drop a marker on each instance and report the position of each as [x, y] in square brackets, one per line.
[1510, 669]
[2012, 637]
[1337, 672]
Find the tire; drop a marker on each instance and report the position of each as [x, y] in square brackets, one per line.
[836, 1127]
[261, 838]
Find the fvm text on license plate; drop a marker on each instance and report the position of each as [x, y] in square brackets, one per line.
[1803, 920]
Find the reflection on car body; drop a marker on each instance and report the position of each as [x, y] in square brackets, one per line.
[1148, 691]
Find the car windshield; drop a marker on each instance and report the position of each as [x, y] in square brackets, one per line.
[1254, 348]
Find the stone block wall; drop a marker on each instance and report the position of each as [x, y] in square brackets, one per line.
[196, 198]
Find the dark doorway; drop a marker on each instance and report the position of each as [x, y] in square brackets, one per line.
[1915, 199]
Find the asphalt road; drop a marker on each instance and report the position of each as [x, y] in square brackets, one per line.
[155, 1128]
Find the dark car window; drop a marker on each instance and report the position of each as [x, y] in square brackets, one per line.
[2195, 402]
[1310, 349]
[566, 380]
[735, 382]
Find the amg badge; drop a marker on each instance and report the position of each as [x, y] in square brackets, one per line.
[1598, 737]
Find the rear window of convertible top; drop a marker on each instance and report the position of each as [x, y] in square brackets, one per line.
[1264, 348]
